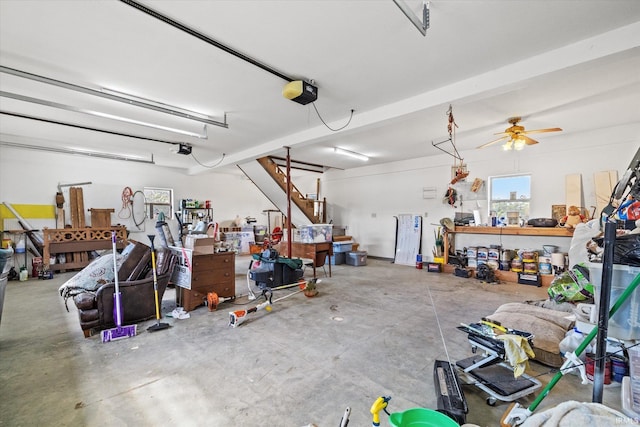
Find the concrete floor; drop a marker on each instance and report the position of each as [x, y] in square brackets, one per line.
[371, 331]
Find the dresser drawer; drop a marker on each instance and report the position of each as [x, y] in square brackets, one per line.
[203, 279]
[225, 289]
[213, 262]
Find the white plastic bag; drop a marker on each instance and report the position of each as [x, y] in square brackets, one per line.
[581, 235]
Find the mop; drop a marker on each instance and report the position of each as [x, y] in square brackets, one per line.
[119, 331]
[158, 326]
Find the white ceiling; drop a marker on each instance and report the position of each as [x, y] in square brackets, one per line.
[569, 64]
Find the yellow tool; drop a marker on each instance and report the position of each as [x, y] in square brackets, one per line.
[494, 325]
[379, 405]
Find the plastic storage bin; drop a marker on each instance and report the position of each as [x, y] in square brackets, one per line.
[625, 324]
[357, 258]
[342, 247]
[337, 258]
[316, 233]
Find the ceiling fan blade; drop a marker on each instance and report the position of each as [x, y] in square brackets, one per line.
[493, 142]
[528, 140]
[543, 130]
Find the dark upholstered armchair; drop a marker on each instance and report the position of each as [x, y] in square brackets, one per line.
[135, 276]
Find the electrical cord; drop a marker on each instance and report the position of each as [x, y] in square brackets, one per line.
[329, 127]
[206, 166]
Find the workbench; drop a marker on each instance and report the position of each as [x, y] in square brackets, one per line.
[507, 276]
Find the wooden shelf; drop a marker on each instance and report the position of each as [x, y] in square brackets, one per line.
[516, 231]
[506, 276]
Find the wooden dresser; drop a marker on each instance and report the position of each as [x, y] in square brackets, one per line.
[211, 273]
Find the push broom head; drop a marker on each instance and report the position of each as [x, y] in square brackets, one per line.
[158, 327]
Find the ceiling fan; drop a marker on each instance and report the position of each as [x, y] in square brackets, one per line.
[517, 135]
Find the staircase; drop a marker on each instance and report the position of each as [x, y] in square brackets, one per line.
[266, 175]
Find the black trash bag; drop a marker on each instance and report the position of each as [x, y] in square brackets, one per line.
[626, 249]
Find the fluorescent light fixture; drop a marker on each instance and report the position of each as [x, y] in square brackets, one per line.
[103, 115]
[350, 154]
[80, 152]
[203, 135]
[156, 106]
[187, 114]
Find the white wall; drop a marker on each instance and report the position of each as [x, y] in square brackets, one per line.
[31, 177]
[366, 199]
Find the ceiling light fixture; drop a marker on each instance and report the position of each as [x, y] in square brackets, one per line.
[80, 152]
[515, 143]
[110, 132]
[185, 113]
[350, 153]
[25, 98]
[150, 106]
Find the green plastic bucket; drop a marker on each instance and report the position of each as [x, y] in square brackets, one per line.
[421, 417]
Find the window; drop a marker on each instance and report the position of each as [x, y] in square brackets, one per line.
[159, 200]
[508, 195]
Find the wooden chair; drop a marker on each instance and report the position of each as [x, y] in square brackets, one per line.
[320, 261]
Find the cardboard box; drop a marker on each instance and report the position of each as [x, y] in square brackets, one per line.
[200, 243]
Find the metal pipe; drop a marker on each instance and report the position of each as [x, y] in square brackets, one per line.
[289, 234]
[205, 38]
[603, 310]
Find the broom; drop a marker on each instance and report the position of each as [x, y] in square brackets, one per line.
[119, 331]
[158, 326]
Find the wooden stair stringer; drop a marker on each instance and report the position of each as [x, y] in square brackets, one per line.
[304, 204]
